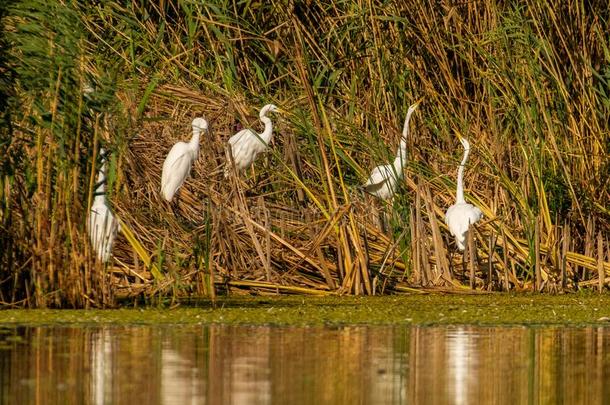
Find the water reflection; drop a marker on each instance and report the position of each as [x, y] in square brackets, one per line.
[341, 365]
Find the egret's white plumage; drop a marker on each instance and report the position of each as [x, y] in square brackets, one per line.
[461, 215]
[383, 179]
[245, 145]
[102, 224]
[179, 160]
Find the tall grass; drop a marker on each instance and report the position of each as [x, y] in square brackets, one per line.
[527, 83]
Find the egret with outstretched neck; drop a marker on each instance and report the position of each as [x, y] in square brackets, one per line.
[461, 215]
[102, 224]
[383, 179]
[245, 145]
[179, 161]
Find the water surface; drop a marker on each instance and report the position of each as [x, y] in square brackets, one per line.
[216, 364]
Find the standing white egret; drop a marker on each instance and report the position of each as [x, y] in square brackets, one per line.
[245, 145]
[179, 161]
[383, 179]
[103, 226]
[461, 215]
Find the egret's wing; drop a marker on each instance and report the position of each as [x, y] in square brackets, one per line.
[176, 169]
[238, 138]
[379, 175]
[103, 228]
[175, 155]
[237, 142]
[247, 144]
[376, 180]
[448, 215]
[235, 138]
[182, 167]
[459, 217]
[474, 214]
[240, 148]
[245, 148]
[372, 188]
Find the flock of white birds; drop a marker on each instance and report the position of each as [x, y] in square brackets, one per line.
[242, 150]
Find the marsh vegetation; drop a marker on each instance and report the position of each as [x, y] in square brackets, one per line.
[527, 82]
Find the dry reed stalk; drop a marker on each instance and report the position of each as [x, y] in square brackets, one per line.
[589, 244]
[565, 246]
[537, 272]
[601, 274]
[505, 265]
[415, 254]
[490, 255]
[471, 253]
[422, 250]
[440, 254]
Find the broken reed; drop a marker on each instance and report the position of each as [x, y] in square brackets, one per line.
[527, 83]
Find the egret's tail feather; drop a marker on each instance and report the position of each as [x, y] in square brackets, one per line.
[460, 245]
[166, 194]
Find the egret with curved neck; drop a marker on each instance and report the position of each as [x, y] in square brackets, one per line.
[101, 223]
[179, 161]
[459, 194]
[383, 179]
[245, 145]
[461, 215]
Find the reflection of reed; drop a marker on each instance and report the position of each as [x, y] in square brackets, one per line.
[45, 366]
[342, 365]
[572, 367]
[180, 380]
[347, 365]
[238, 365]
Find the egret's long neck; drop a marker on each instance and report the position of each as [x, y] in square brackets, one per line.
[268, 132]
[401, 157]
[194, 142]
[401, 153]
[459, 195]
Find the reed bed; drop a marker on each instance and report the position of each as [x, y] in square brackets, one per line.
[527, 83]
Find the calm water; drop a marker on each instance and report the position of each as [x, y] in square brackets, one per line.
[291, 365]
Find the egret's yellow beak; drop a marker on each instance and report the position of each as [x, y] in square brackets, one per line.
[460, 137]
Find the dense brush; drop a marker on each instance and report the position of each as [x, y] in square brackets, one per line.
[527, 83]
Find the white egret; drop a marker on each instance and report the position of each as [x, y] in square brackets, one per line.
[461, 215]
[245, 145]
[383, 179]
[102, 224]
[179, 161]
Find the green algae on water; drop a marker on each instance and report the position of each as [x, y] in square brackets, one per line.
[489, 309]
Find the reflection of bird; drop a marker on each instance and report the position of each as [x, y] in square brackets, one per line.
[101, 365]
[245, 145]
[461, 215]
[103, 226]
[383, 179]
[462, 354]
[179, 161]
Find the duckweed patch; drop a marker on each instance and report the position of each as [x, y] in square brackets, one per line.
[492, 309]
